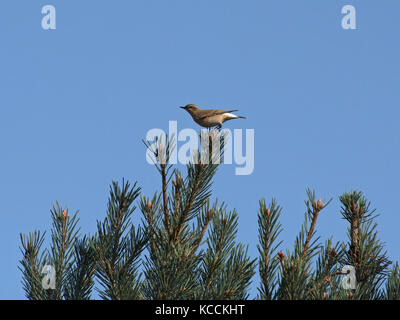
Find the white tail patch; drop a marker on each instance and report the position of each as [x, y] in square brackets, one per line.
[229, 116]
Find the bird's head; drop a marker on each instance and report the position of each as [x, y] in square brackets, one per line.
[190, 108]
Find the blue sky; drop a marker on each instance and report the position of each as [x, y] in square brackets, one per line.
[75, 103]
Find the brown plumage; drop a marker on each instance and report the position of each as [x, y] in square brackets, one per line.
[210, 118]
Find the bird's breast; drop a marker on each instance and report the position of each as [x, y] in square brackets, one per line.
[211, 121]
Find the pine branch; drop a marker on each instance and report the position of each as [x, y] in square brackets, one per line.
[226, 270]
[204, 225]
[117, 245]
[189, 204]
[80, 281]
[365, 250]
[165, 199]
[64, 234]
[296, 279]
[392, 291]
[148, 209]
[31, 264]
[323, 279]
[313, 209]
[269, 230]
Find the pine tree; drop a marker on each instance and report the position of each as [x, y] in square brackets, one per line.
[185, 246]
[320, 271]
[181, 223]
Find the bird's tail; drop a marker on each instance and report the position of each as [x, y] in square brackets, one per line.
[230, 116]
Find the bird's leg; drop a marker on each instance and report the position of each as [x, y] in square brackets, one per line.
[219, 127]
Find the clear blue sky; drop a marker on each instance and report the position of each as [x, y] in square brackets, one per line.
[75, 103]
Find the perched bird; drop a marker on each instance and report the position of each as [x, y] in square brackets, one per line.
[210, 118]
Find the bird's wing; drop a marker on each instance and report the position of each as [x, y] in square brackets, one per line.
[210, 113]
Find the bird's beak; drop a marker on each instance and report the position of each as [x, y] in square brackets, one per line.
[182, 107]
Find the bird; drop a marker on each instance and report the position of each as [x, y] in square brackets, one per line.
[210, 118]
